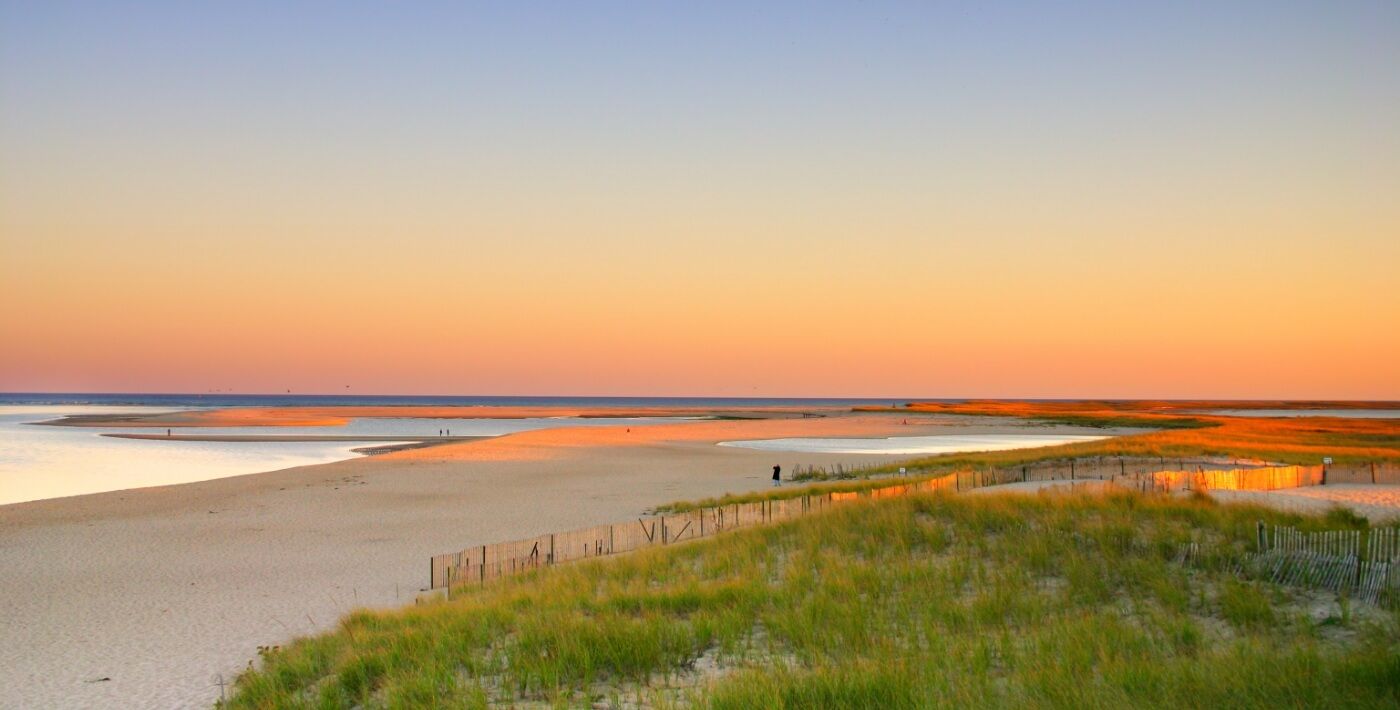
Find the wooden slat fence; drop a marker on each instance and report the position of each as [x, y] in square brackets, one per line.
[484, 563]
[1373, 472]
[1240, 479]
[1364, 564]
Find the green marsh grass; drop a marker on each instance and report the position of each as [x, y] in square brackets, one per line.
[926, 601]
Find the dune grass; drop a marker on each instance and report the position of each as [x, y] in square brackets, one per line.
[934, 600]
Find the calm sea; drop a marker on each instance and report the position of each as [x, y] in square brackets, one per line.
[347, 400]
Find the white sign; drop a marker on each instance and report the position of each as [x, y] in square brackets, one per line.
[1326, 460]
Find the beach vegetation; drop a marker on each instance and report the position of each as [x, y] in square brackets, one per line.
[921, 601]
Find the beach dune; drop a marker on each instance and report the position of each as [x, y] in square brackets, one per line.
[153, 597]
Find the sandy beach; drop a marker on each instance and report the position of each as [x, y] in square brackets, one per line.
[1378, 503]
[149, 597]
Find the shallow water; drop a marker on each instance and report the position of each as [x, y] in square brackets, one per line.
[39, 462]
[940, 444]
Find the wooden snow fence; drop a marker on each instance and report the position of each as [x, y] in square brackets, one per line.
[1372, 472]
[1268, 478]
[484, 563]
[1363, 564]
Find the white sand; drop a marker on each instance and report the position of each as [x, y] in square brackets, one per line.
[165, 589]
[1378, 503]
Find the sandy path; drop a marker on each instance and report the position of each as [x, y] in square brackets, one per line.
[1379, 503]
[164, 589]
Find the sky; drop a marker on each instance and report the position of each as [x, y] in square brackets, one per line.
[940, 199]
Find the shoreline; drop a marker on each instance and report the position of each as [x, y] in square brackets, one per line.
[270, 438]
[389, 445]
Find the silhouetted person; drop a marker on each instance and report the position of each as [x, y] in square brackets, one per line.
[777, 476]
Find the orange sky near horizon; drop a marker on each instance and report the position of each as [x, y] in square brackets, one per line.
[1011, 213]
[407, 323]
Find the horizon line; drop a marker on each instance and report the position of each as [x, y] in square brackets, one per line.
[904, 398]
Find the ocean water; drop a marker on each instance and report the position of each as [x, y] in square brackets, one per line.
[907, 445]
[49, 462]
[38, 462]
[186, 401]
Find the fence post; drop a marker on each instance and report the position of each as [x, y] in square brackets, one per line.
[1260, 534]
[483, 565]
[551, 550]
[1362, 538]
[1071, 469]
[610, 539]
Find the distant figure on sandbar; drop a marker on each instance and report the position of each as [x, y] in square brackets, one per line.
[777, 476]
[167, 432]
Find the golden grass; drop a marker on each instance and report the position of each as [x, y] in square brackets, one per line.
[1182, 432]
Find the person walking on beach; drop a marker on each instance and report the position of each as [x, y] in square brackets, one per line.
[777, 476]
